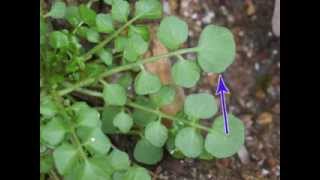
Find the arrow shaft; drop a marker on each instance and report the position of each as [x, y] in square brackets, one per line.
[224, 113]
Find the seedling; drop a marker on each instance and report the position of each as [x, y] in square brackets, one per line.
[92, 46]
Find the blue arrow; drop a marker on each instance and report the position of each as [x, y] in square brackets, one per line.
[221, 90]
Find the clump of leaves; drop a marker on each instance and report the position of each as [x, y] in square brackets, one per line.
[75, 136]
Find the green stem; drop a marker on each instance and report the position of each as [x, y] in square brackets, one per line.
[90, 92]
[159, 113]
[54, 175]
[125, 67]
[78, 143]
[95, 49]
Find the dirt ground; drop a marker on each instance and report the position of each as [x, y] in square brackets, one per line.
[254, 81]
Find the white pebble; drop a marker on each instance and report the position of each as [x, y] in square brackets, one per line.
[264, 172]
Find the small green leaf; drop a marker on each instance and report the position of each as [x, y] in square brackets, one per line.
[146, 83]
[119, 160]
[146, 153]
[120, 10]
[73, 15]
[135, 47]
[47, 107]
[164, 96]
[46, 164]
[94, 140]
[172, 32]
[106, 57]
[114, 94]
[143, 118]
[120, 43]
[219, 144]
[58, 10]
[185, 73]
[92, 35]
[65, 157]
[123, 122]
[108, 115]
[94, 168]
[104, 23]
[200, 105]
[137, 173]
[216, 49]
[54, 131]
[125, 80]
[87, 15]
[156, 133]
[43, 31]
[108, 2]
[88, 117]
[189, 142]
[140, 30]
[118, 175]
[94, 70]
[58, 39]
[148, 9]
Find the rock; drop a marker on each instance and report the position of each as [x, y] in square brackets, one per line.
[276, 19]
[264, 118]
[243, 155]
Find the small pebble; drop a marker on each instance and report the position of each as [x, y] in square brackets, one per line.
[264, 172]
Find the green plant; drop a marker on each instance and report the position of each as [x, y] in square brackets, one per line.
[93, 46]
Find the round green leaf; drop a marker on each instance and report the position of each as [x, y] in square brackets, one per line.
[125, 80]
[148, 9]
[137, 173]
[119, 160]
[95, 140]
[172, 32]
[73, 15]
[185, 73]
[156, 133]
[46, 163]
[164, 96]
[146, 83]
[200, 105]
[219, 144]
[108, 2]
[94, 168]
[123, 122]
[108, 115]
[106, 57]
[92, 35]
[88, 117]
[120, 43]
[47, 107]
[189, 142]
[216, 49]
[140, 30]
[65, 157]
[114, 94]
[58, 40]
[58, 10]
[87, 15]
[120, 10]
[135, 47]
[104, 23]
[143, 118]
[145, 152]
[54, 131]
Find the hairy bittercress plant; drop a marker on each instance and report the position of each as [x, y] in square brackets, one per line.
[93, 46]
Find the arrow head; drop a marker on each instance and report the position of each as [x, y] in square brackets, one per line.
[221, 88]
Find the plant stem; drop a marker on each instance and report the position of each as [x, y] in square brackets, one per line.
[159, 113]
[54, 175]
[78, 143]
[95, 49]
[90, 92]
[125, 67]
